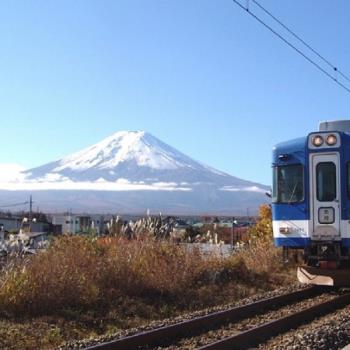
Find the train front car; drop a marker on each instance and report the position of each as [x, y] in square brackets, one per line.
[311, 202]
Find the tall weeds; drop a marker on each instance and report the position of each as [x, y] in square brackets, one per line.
[78, 272]
[84, 273]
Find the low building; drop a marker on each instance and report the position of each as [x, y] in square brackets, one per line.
[10, 224]
[13, 224]
[73, 224]
[66, 223]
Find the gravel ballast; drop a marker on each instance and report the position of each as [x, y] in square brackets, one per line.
[330, 332]
[81, 344]
[246, 324]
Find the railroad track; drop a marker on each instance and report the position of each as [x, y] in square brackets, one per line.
[172, 334]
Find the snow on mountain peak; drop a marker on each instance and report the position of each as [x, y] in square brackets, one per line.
[139, 146]
[133, 161]
[134, 155]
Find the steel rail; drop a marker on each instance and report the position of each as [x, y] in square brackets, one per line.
[259, 334]
[166, 335]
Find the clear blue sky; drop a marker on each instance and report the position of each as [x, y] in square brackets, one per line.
[201, 75]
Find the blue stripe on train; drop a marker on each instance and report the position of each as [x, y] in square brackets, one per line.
[292, 242]
[301, 242]
[346, 242]
[290, 212]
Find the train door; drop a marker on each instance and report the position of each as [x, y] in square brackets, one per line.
[325, 196]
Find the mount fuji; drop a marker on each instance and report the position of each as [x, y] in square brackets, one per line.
[130, 172]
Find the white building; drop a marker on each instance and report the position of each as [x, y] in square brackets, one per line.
[66, 223]
[71, 223]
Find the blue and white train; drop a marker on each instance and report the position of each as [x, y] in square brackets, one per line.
[311, 195]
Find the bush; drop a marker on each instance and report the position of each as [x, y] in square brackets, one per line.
[148, 267]
[262, 230]
[64, 275]
[87, 273]
[80, 272]
[262, 256]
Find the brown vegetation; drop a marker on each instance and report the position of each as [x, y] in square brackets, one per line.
[77, 272]
[100, 282]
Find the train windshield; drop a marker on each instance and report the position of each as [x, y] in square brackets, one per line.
[288, 184]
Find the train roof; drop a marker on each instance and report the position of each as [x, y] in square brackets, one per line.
[295, 149]
[291, 146]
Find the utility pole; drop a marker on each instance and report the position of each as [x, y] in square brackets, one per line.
[30, 207]
[234, 222]
[232, 231]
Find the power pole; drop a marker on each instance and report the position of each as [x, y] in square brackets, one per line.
[30, 207]
[232, 231]
[234, 222]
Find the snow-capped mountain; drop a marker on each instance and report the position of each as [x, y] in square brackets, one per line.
[133, 155]
[146, 173]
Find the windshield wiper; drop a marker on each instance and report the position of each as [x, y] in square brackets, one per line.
[291, 196]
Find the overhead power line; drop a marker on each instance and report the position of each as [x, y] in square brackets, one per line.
[310, 60]
[13, 205]
[302, 41]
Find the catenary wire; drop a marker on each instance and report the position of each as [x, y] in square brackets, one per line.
[13, 205]
[292, 46]
[302, 41]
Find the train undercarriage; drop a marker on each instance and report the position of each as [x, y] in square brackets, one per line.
[325, 263]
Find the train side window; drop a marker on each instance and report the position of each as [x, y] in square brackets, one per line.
[288, 184]
[326, 182]
[348, 178]
[274, 196]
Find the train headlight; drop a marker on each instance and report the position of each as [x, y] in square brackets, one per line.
[317, 140]
[331, 140]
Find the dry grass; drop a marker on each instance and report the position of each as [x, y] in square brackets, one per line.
[66, 274]
[80, 273]
[267, 262]
[85, 286]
